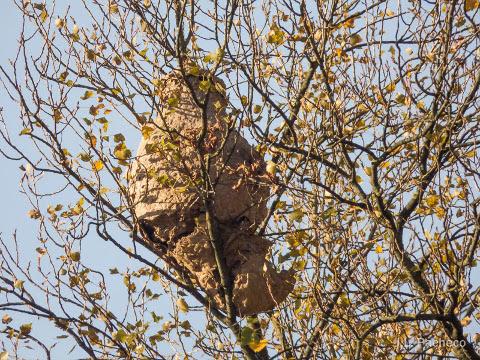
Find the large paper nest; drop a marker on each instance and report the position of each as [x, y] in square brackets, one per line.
[166, 193]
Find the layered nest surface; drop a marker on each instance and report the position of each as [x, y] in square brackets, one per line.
[166, 192]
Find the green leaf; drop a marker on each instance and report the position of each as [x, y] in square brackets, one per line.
[75, 256]
[173, 101]
[186, 325]
[296, 215]
[121, 152]
[118, 138]
[120, 335]
[214, 57]
[26, 131]
[146, 131]
[84, 157]
[246, 335]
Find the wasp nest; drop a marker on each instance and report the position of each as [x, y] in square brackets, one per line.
[166, 187]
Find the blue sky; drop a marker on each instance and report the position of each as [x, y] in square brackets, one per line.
[14, 207]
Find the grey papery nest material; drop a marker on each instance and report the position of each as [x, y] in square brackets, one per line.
[165, 190]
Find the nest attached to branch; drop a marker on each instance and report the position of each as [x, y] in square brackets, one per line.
[165, 188]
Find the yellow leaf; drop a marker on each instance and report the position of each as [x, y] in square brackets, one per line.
[88, 94]
[4, 355]
[121, 152]
[194, 70]
[93, 110]
[93, 139]
[339, 52]
[18, 284]
[25, 329]
[34, 214]
[428, 235]
[401, 99]
[378, 249]
[57, 115]
[385, 165]
[113, 8]
[368, 170]
[214, 57]
[204, 85]
[432, 200]
[336, 329]
[299, 265]
[466, 321]
[6, 319]
[440, 212]
[59, 23]
[276, 36]
[220, 88]
[271, 168]
[258, 346]
[390, 87]
[471, 5]
[98, 165]
[43, 15]
[350, 23]
[471, 154]
[182, 305]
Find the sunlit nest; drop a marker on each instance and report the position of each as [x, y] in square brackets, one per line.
[168, 198]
